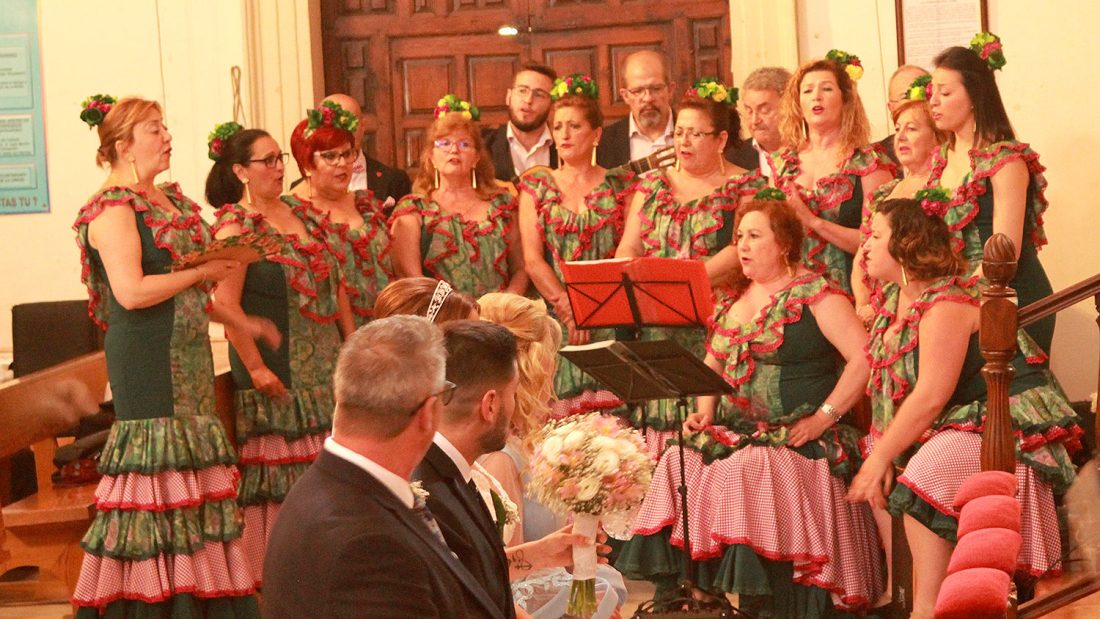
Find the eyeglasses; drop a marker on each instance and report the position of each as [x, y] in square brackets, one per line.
[537, 93]
[446, 144]
[272, 160]
[332, 157]
[445, 395]
[680, 133]
[653, 90]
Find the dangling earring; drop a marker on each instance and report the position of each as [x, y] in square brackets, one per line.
[247, 193]
[473, 178]
[435, 178]
[790, 269]
[309, 185]
[133, 170]
[904, 277]
[721, 164]
[677, 166]
[594, 154]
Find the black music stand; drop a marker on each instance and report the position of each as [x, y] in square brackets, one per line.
[661, 370]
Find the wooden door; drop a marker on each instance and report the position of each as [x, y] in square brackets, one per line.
[397, 57]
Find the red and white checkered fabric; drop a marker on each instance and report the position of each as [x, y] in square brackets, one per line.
[941, 465]
[215, 570]
[167, 489]
[258, 522]
[782, 505]
[657, 440]
[275, 449]
[587, 402]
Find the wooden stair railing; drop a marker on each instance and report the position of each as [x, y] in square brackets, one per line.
[1000, 319]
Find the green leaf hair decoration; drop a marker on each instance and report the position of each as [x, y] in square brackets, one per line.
[851, 63]
[576, 84]
[330, 114]
[988, 47]
[216, 139]
[94, 109]
[920, 89]
[450, 103]
[710, 88]
[770, 193]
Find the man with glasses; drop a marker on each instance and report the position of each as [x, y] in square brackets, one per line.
[899, 85]
[761, 93]
[647, 88]
[352, 538]
[481, 359]
[524, 141]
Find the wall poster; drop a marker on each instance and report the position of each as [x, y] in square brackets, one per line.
[23, 187]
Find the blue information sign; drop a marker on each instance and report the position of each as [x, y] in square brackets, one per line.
[23, 187]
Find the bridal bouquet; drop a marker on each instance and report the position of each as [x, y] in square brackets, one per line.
[592, 467]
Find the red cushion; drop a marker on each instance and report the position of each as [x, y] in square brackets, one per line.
[996, 548]
[978, 593]
[993, 511]
[985, 484]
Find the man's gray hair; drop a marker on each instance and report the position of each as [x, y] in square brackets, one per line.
[767, 78]
[385, 370]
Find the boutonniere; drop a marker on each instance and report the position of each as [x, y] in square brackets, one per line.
[418, 490]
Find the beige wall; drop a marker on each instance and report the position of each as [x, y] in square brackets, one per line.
[193, 43]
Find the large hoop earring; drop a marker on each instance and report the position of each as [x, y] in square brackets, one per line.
[133, 170]
[473, 178]
[904, 277]
[247, 193]
[435, 178]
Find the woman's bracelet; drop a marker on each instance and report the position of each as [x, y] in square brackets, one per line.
[831, 411]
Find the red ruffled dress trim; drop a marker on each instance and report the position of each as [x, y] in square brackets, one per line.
[660, 201]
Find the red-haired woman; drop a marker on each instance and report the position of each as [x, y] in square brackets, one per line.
[458, 225]
[353, 222]
[827, 167]
[573, 213]
[767, 466]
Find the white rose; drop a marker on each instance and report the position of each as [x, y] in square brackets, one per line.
[551, 448]
[603, 443]
[606, 462]
[588, 489]
[574, 440]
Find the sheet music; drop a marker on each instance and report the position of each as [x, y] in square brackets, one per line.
[930, 26]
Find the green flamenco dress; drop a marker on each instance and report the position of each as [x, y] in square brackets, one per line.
[695, 230]
[363, 253]
[837, 198]
[591, 234]
[470, 255]
[767, 521]
[278, 439]
[1046, 427]
[165, 541]
[970, 218]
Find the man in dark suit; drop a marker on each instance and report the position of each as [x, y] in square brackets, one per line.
[647, 87]
[388, 184]
[761, 93]
[898, 87]
[352, 540]
[481, 360]
[524, 141]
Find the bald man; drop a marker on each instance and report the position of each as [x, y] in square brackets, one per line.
[899, 84]
[388, 184]
[647, 87]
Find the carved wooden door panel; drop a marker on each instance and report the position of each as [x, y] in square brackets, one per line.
[397, 57]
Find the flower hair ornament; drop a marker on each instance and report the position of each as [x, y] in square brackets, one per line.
[988, 47]
[442, 291]
[770, 193]
[330, 114]
[711, 88]
[576, 84]
[95, 108]
[215, 141]
[920, 89]
[933, 201]
[450, 103]
[852, 66]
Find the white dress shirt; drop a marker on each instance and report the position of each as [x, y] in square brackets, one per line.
[524, 159]
[765, 159]
[642, 146]
[395, 483]
[455, 455]
[358, 173]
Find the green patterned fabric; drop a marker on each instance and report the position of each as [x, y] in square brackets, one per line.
[695, 230]
[472, 256]
[1042, 419]
[363, 253]
[837, 198]
[148, 446]
[593, 233]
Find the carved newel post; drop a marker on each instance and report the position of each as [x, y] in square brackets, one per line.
[998, 345]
